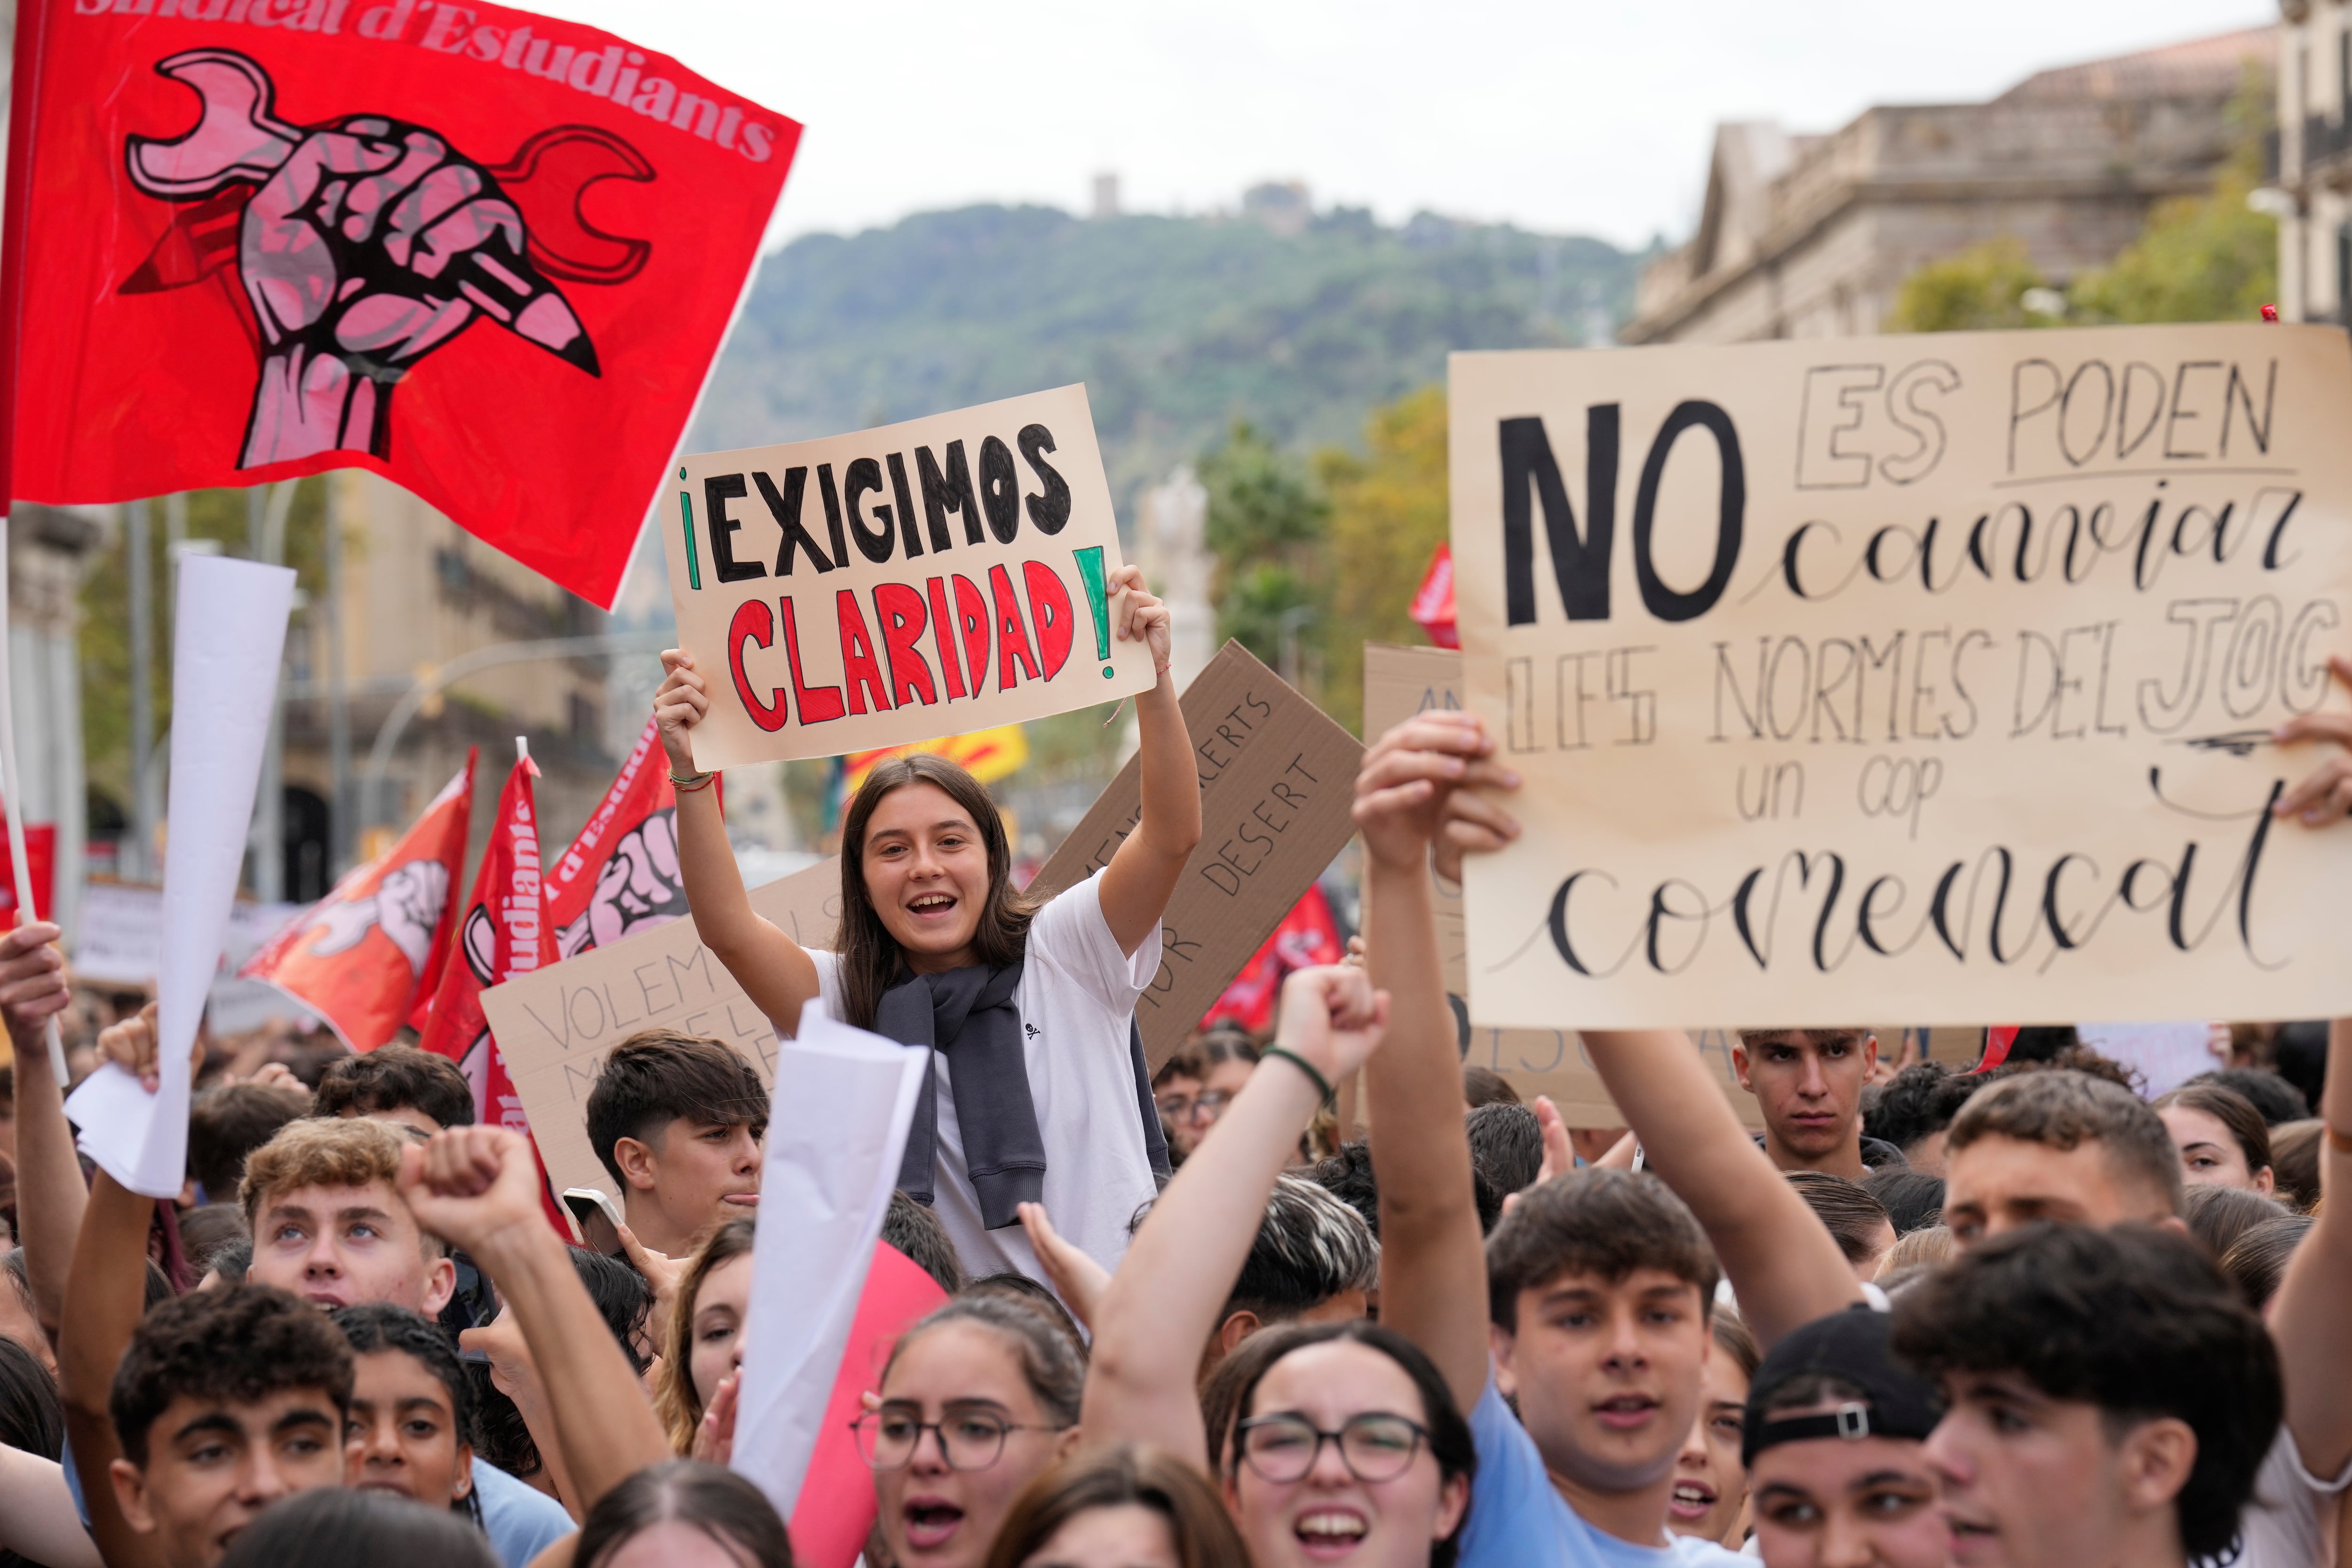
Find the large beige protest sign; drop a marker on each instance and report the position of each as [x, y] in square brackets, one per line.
[903, 583]
[1931, 678]
[1277, 784]
[556, 1025]
[1400, 682]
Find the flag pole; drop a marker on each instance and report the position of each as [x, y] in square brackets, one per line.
[12, 799]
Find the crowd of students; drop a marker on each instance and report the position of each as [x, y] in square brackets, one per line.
[1929, 1316]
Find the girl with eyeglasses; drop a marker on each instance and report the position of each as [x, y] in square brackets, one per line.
[976, 1401]
[1345, 1446]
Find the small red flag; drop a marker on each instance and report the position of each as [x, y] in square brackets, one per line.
[374, 947]
[621, 874]
[1308, 936]
[488, 255]
[502, 935]
[41, 856]
[1433, 602]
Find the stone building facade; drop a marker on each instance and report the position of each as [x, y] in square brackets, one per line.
[1811, 236]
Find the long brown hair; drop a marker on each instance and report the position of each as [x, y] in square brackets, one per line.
[870, 956]
[1129, 1475]
[676, 1399]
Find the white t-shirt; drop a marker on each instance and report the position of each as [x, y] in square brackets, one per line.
[1076, 998]
[2291, 1521]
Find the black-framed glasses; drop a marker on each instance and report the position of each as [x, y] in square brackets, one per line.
[969, 1440]
[1185, 1108]
[1374, 1445]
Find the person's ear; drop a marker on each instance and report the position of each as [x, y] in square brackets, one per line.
[638, 1162]
[464, 1488]
[1068, 1443]
[1869, 1049]
[440, 1284]
[1453, 1502]
[1236, 1327]
[131, 1496]
[2266, 1182]
[1503, 1343]
[2155, 1461]
[1739, 1064]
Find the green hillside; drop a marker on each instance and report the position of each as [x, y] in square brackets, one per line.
[1177, 325]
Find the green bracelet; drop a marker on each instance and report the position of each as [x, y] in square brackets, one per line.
[1303, 1065]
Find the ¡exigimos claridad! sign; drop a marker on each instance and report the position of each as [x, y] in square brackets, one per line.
[1929, 678]
[943, 576]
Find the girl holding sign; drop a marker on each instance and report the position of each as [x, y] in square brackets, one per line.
[1038, 1092]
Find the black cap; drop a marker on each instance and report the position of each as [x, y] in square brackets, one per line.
[1852, 1347]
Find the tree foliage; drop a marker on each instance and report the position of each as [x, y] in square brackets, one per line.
[1178, 326]
[1265, 517]
[1983, 289]
[1388, 516]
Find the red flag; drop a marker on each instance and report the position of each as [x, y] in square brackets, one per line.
[41, 856]
[1308, 936]
[621, 874]
[836, 1505]
[486, 254]
[375, 946]
[1433, 602]
[503, 936]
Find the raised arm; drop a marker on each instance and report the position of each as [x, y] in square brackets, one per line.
[775, 971]
[106, 1292]
[1432, 1255]
[38, 1519]
[476, 1188]
[49, 1191]
[1782, 1263]
[2308, 1318]
[1143, 870]
[1785, 1268]
[1163, 1302]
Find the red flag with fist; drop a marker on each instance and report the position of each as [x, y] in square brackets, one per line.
[377, 944]
[489, 255]
[621, 874]
[501, 935]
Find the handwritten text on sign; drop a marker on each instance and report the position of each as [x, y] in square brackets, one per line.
[557, 1026]
[940, 577]
[1278, 778]
[1929, 678]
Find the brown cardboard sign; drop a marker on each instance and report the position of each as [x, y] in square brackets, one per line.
[555, 1027]
[862, 591]
[1400, 682]
[1277, 783]
[1929, 676]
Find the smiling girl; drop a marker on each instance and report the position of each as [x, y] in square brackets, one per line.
[1037, 1089]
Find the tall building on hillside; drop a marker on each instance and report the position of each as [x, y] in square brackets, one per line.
[1811, 235]
[2314, 162]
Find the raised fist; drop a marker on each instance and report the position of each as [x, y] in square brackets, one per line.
[370, 243]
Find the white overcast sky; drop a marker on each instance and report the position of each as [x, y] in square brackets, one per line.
[1559, 115]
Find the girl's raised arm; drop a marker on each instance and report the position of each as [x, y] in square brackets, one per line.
[1142, 873]
[774, 971]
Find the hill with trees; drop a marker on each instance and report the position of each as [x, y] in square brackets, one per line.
[1178, 326]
